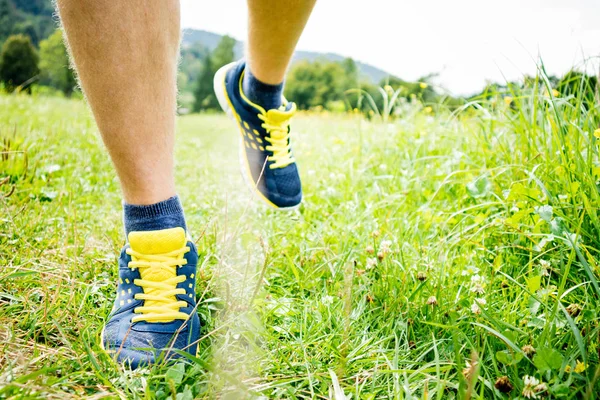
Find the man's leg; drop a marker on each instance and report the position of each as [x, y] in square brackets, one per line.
[251, 91]
[126, 57]
[126, 54]
[274, 28]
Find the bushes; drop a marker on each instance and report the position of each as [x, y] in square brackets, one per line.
[18, 63]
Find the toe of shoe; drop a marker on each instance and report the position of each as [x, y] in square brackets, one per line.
[135, 358]
[287, 187]
[283, 201]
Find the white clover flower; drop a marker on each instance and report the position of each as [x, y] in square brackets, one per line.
[385, 246]
[530, 385]
[371, 263]
[470, 270]
[327, 300]
[478, 288]
[475, 309]
[478, 284]
[481, 301]
[541, 388]
[530, 381]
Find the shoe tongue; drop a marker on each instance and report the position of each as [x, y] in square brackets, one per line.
[157, 242]
[282, 113]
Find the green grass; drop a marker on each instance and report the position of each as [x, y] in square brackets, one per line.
[298, 305]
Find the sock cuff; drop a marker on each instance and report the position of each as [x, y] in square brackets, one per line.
[259, 85]
[171, 206]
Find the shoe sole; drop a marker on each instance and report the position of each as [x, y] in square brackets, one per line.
[225, 103]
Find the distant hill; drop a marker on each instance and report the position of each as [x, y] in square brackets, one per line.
[210, 40]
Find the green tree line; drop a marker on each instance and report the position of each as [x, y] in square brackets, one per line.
[32, 18]
[22, 64]
[32, 51]
[31, 48]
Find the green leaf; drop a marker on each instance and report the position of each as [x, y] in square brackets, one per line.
[534, 283]
[557, 227]
[508, 357]
[20, 274]
[520, 192]
[176, 373]
[534, 306]
[510, 335]
[547, 359]
[480, 187]
[185, 395]
[545, 212]
[560, 390]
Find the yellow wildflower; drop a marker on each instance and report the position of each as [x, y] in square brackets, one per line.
[428, 110]
[597, 133]
[508, 100]
[423, 85]
[555, 93]
[580, 367]
[388, 88]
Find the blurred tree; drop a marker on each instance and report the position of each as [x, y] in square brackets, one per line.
[27, 28]
[7, 19]
[18, 62]
[580, 87]
[35, 7]
[204, 94]
[33, 18]
[300, 85]
[224, 52]
[191, 64]
[54, 64]
[397, 83]
[312, 84]
[350, 73]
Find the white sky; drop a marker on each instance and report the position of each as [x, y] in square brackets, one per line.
[466, 41]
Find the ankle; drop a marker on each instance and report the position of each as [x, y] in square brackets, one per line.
[162, 215]
[265, 95]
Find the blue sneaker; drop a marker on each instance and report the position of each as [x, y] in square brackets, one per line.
[155, 308]
[268, 164]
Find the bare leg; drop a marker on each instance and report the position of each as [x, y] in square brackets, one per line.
[274, 29]
[126, 56]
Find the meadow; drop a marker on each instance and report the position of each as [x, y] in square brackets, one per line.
[438, 255]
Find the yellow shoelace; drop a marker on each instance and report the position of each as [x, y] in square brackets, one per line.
[159, 281]
[279, 134]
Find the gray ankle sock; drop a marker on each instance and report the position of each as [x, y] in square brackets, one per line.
[162, 215]
[265, 95]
